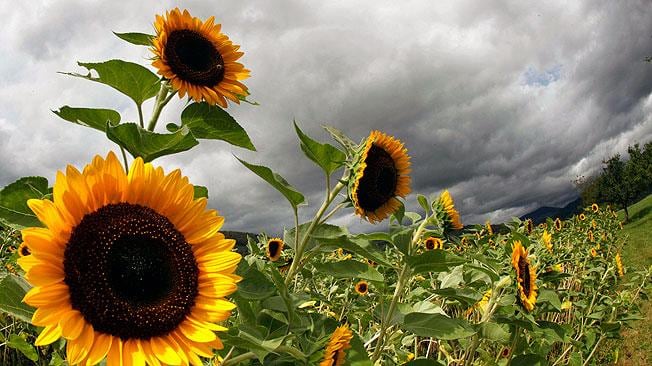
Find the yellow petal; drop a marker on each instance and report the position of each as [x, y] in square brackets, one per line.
[49, 335]
[78, 349]
[114, 357]
[196, 333]
[49, 315]
[150, 357]
[164, 351]
[47, 295]
[100, 348]
[132, 353]
[44, 274]
[72, 325]
[213, 304]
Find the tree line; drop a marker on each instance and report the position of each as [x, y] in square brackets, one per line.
[622, 181]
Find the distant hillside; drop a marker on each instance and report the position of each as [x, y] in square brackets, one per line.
[240, 240]
[542, 213]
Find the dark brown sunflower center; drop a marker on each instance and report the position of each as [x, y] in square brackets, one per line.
[131, 273]
[194, 58]
[430, 244]
[274, 248]
[524, 272]
[362, 287]
[24, 251]
[379, 180]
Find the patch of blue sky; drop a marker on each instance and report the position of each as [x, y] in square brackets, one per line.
[534, 77]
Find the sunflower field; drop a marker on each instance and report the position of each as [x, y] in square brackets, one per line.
[122, 263]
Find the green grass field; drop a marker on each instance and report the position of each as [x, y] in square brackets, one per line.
[637, 345]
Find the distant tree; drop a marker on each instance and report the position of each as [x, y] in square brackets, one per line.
[588, 188]
[616, 184]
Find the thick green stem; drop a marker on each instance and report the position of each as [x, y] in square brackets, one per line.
[402, 279]
[140, 115]
[301, 246]
[124, 159]
[158, 105]
[513, 346]
[239, 358]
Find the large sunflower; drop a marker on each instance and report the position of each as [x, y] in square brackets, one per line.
[198, 59]
[274, 249]
[129, 267]
[525, 276]
[381, 176]
[432, 243]
[451, 216]
[335, 354]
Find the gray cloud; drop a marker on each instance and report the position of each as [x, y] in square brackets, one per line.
[503, 102]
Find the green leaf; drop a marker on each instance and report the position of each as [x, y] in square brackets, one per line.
[139, 39]
[327, 156]
[13, 201]
[362, 247]
[132, 80]
[200, 192]
[349, 269]
[12, 291]
[494, 332]
[18, 343]
[357, 355]
[255, 285]
[293, 196]
[466, 296]
[437, 326]
[434, 261]
[214, 123]
[90, 117]
[529, 360]
[549, 297]
[150, 145]
[423, 202]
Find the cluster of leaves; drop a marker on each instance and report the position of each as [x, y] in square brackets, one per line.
[621, 181]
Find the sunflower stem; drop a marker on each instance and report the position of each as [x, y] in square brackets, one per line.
[300, 246]
[239, 358]
[402, 279]
[160, 102]
[140, 115]
[124, 159]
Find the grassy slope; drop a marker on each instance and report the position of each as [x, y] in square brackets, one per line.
[637, 345]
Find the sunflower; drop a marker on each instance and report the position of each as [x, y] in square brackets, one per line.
[590, 236]
[451, 216]
[23, 250]
[432, 243]
[547, 240]
[198, 59]
[487, 226]
[335, 354]
[594, 224]
[274, 249]
[525, 276]
[619, 265]
[595, 207]
[529, 226]
[593, 252]
[362, 287]
[582, 217]
[381, 176]
[558, 224]
[129, 267]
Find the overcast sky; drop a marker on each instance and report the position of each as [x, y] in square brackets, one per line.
[502, 102]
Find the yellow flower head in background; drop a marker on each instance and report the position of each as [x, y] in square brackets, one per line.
[593, 252]
[362, 287]
[23, 250]
[452, 217]
[582, 217]
[619, 265]
[529, 226]
[432, 243]
[547, 240]
[594, 224]
[525, 276]
[335, 353]
[590, 236]
[274, 249]
[487, 226]
[381, 176]
[558, 224]
[595, 207]
[198, 59]
[128, 266]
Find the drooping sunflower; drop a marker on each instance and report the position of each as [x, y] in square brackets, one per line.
[595, 207]
[525, 276]
[198, 59]
[593, 252]
[590, 236]
[547, 240]
[594, 224]
[129, 267]
[619, 265]
[432, 243]
[529, 226]
[362, 287]
[447, 207]
[381, 176]
[558, 224]
[274, 249]
[335, 352]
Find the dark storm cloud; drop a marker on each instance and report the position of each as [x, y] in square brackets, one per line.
[505, 103]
